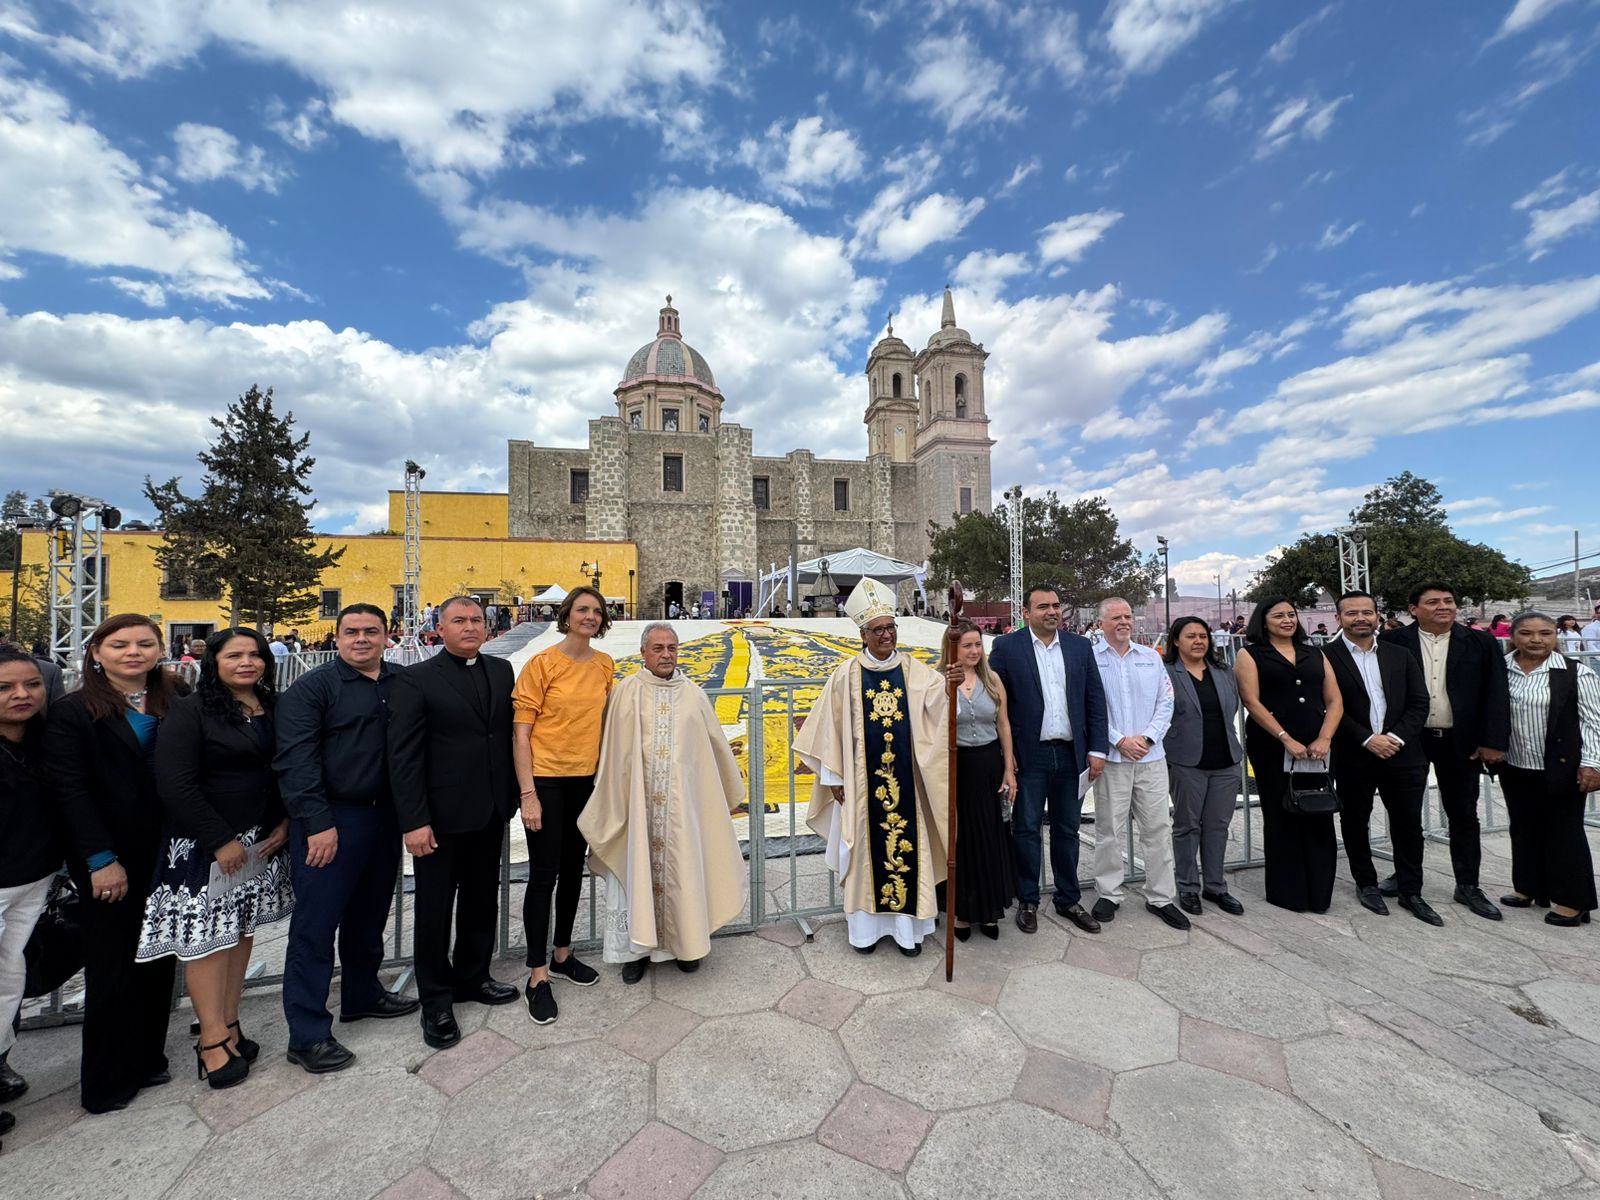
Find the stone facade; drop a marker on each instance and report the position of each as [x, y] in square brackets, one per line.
[708, 516]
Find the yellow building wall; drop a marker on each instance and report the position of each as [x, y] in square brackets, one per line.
[372, 567]
[455, 514]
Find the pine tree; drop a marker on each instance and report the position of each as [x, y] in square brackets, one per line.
[248, 533]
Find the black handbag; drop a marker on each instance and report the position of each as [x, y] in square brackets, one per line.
[54, 953]
[1314, 801]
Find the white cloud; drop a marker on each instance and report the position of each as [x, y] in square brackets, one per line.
[1547, 226]
[897, 226]
[1303, 117]
[1020, 173]
[1050, 38]
[1197, 576]
[1145, 33]
[452, 85]
[304, 128]
[988, 273]
[206, 153]
[1282, 50]
[71, 194]
[1550, 189]
[1333, 237]
[1501, 516]
[1069, 240]
[958, 83]
[806, 158]
[1223, 104]
[1524, 14]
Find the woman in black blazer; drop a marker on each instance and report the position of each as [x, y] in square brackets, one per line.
[99, 751]
[214, 774]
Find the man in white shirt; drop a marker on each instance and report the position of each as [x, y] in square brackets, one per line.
[1138, 710]
[1378, 748]
[1591, 632]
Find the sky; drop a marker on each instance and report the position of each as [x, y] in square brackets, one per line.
[1236, 261]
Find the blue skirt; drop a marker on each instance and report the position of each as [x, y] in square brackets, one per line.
[181, 916]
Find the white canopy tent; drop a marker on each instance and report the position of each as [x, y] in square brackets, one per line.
[554, 594]
[846, 568]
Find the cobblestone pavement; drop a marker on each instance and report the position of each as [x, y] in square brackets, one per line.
[1272, 1055]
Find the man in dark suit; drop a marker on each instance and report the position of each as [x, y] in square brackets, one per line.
[1378, 747]
[1057, 708]
[1468, 724]
[454, 790]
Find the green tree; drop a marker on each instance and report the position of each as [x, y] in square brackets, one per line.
[1409, 542]
[248, 532]
[1076, 546]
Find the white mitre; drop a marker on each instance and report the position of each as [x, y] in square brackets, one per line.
[869, 601]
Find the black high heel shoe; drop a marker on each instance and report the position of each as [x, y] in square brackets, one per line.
[1572, 922]
[963, 932]
[248, 1049]
[225, 1076]
[991, 930]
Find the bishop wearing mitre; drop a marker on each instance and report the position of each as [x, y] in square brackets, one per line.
[877, 742]
[658, 824]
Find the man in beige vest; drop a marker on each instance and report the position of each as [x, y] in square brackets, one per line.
[658, 824]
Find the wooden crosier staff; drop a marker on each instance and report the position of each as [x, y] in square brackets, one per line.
[952, 637]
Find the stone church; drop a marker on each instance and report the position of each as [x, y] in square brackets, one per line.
[708, 515]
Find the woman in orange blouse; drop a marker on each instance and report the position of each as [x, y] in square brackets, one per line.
[559, 701]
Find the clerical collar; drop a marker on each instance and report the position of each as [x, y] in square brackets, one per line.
[875, 661]
[464, 662]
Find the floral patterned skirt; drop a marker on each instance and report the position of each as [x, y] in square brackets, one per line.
[181, 916]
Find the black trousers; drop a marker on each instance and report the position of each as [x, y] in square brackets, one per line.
[1459, 787]
[349, 899]
[463, 875]
[126, 1005]
[555, 862]
[1550, 858]
[1401, 789]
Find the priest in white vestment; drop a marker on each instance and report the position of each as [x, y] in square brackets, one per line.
[659, 823]
[877, 741]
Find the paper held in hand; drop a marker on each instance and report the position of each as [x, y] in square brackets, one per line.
[1083, 783]
[221, 883]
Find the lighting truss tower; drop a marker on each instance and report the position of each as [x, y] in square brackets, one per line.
[411, 580]
[1014, 521]
[1354, 573]
[77, 586]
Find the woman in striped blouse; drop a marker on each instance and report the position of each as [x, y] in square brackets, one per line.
[1552, 763]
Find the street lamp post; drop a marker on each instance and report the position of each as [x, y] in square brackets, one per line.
[1218, 578]
[1166, 577]
[631, 614]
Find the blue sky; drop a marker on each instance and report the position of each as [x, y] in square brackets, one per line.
[1236, 261]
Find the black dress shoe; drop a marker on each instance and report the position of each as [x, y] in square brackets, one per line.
[384, 1007]
[1389, 886]
[990, 931]
[963, 932]
[865, 949]
[574, 971]
[1372, 900]
[12, 1085]
[633, 972]
[157, 1079]
[322, 1058]
[1512, 900]
[7, 1123]
[1028, 917]
[1170, 914]
[1421, 910]
[439, 1029]
[1226, 901]
[1104, 910]
[1555, 918]
[911, 951]
[689, 966]
[1472, 896]
[1190, 903]
[490, 991]
[1080, 917]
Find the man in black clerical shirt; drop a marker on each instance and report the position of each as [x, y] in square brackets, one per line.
[455, 789]
[344, 841]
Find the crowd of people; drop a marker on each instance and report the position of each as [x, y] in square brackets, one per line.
[189, 817]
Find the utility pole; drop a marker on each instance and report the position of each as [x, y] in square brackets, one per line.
[1577, 600]
[1166, 577]
[411, 579]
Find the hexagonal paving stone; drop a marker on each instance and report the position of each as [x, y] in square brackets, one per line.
[589, 1012]
[1113, 1023]
[742, 1081]
[798, 1171]
[331, 1153]
[1132, 927]
[1431, 1116]
[1461, 948]
[1274, 1147]
[126, 1154]
[831, 957]
[935, 1050]
[1574, 1006]
[1012, 949]
[1222, 986]
[741, 974]
[545, 1121]
[1015, 1150]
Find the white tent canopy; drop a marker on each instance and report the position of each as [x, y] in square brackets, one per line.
[846, 568]
[554, 594]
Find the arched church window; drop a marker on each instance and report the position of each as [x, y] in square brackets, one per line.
[894, 385]
[961, 395]
[636, 419]
[705, 423]
[669, 420]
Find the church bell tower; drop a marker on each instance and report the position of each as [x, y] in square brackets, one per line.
[952, 431]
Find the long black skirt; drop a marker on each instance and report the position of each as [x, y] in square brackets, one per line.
[984, 876]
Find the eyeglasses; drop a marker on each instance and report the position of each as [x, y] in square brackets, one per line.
[880, 631]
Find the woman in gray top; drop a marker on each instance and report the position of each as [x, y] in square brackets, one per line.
[986, 781]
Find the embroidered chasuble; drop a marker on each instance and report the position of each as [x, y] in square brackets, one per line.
[878, 729]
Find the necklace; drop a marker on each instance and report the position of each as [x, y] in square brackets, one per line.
[136, 699]
[20, 759]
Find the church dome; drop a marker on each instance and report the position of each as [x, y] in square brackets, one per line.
[669, 357]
